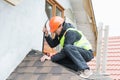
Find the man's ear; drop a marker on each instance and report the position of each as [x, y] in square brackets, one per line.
[61, 27]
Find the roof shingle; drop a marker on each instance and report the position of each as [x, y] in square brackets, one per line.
[32, 69]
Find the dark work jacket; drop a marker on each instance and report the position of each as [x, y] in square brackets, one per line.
[70, 37]
[62, 57]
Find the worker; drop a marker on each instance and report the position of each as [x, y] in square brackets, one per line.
[76, 50]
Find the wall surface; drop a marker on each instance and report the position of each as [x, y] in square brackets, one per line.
[20, 31]
[83, 22]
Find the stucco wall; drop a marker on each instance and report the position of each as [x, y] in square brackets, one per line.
[83, 22]
[20, 31]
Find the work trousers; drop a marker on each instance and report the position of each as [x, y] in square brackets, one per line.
[76, 58]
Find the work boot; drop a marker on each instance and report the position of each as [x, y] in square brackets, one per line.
[86, 73]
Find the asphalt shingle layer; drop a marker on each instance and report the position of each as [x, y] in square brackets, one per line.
[32, 69]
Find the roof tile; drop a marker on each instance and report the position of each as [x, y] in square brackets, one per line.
[113, 58]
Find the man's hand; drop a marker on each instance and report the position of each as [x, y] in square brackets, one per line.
[45, 57]
[45, 31]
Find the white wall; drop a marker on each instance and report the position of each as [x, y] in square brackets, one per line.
[65, 3]
[20, 31]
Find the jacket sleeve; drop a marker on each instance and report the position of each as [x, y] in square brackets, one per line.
[52, 42]
[60, 55]
[71, 37]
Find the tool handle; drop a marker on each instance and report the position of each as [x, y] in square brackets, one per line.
[43, 37]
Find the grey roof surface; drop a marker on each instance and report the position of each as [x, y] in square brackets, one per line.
[32, 69]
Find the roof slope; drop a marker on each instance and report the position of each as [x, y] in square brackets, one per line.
[113, 64]
[32, 69]
[113, 58]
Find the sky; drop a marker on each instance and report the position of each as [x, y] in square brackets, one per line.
[108, 13]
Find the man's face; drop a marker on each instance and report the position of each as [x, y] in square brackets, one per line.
[58, 31]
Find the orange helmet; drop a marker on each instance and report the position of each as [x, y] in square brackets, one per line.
[55, 22]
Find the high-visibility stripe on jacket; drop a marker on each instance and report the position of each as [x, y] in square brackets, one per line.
[83, 42]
